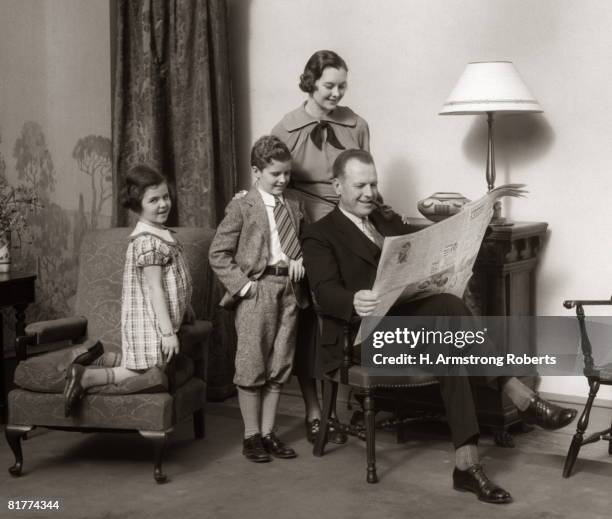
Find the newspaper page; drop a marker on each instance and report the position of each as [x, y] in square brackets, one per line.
[438, 259]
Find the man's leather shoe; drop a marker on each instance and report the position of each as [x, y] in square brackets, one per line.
[253, 449]
[73, 390]
[548, 415]
[475, 480]
[277, 448]
[89, 356]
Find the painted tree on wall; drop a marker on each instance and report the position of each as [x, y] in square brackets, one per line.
[34, 163]
[48, 254]
[93, 156]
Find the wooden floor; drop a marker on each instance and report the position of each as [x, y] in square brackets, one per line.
[110, 475]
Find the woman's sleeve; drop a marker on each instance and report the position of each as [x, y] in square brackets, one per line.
[150, 251]
[363, 134]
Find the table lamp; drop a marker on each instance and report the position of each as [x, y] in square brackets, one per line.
[490, 87]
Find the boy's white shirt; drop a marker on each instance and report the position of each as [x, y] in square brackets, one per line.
[275, 252]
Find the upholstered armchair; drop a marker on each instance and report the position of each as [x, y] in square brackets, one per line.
[151, 403]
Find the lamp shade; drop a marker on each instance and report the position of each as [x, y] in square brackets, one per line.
[490, 86]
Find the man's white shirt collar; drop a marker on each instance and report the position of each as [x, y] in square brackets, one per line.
[357, 220]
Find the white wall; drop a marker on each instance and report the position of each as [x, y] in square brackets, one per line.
[404, 58]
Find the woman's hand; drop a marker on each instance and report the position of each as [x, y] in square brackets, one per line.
[296, 269]
[170, 346]
[240, 194]
[365, 301]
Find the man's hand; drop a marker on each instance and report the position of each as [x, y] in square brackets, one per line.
[296, 269]
[365, 301]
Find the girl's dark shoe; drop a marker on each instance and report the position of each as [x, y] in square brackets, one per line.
[89, 356]
[73, 390]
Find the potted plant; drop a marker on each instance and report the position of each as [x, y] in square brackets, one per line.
[16, 203]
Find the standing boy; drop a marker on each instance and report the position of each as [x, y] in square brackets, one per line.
[257, 256]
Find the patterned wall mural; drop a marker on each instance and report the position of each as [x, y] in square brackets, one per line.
[51, 246]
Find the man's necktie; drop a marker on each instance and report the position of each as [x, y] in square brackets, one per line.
[370, 231]
[316, 136]
[286, 232]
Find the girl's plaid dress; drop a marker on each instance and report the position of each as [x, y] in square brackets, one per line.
[140, 333]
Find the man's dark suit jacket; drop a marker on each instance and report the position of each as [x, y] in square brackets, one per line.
[340, 260]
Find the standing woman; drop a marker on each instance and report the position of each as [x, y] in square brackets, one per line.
[316, 133]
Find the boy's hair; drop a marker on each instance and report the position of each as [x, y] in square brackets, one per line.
[315, 66]
[269, 148]
[138, 179]
[339, 167]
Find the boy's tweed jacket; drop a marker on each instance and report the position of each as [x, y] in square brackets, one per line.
[240, 248]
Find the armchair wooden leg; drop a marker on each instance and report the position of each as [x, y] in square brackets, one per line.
[328, 403]
[370, 422]
[583, 422]
[159, 439]
[14, 434]
[199, 424]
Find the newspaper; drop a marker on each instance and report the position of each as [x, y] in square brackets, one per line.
[438, 259]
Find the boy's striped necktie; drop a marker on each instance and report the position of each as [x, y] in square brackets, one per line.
[286, 232]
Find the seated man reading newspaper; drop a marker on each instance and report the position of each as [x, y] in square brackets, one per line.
[342, 252]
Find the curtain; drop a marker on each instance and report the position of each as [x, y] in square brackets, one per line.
[172, 110]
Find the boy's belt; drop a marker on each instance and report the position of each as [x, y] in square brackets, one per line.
[276, 271]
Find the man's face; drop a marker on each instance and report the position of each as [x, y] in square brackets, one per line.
[358, 188]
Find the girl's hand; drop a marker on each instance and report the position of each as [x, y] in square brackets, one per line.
[189, 317]
[170, 346]
[296, 269]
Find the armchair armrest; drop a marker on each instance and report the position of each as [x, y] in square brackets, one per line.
[41, 332]
[68, 328]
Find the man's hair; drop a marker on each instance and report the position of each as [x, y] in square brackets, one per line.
[315, 66]
[138, 179]
[339, 167]
[269, 148]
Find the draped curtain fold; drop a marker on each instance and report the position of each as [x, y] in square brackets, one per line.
[172, 109]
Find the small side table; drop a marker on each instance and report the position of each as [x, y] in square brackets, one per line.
[16, 290]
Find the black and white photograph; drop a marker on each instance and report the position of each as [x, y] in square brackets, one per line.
[305, 259]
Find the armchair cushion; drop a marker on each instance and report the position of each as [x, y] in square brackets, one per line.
[47, 374]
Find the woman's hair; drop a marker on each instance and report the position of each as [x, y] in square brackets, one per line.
[317, 63]
[138, 179]
[269, 148]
